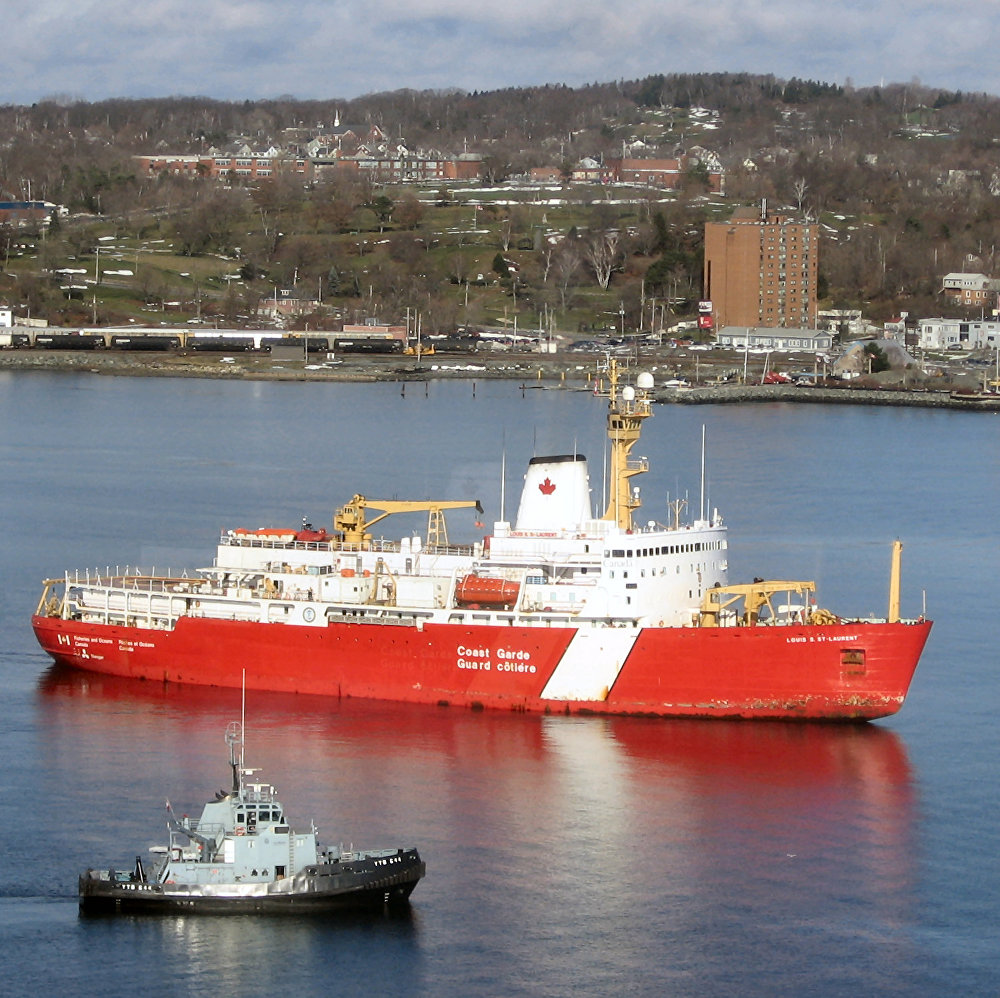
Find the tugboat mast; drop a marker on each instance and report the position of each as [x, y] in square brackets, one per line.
[234, 737]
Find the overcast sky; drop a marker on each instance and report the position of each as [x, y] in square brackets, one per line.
[250, 49]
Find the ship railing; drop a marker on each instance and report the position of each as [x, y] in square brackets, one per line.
[206, 837]
[228, 540]
[259, 793]
[207, 829]
[459, 550]
[153, 601]
[137, 578]
[333, 544]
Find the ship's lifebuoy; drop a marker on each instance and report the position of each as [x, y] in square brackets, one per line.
[240, 830]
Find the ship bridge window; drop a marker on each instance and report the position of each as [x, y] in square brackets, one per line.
[618, 553]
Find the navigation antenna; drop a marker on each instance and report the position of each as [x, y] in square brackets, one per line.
[234, 737]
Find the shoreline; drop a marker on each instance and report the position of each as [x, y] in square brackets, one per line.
[541, 369]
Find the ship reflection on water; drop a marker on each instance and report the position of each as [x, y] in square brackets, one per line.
[558, 821]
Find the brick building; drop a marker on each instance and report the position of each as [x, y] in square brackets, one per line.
[18, 213]
[666, 173]
[761, 269]
[243, 164]
[285, 302]
[386, 168]
[971, 290]
[379, 163]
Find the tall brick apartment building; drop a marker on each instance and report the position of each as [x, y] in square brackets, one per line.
[761, 270]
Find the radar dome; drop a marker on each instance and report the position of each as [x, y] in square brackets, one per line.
[644, 381]
[628, 393]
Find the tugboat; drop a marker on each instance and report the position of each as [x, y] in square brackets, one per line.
[242, 856]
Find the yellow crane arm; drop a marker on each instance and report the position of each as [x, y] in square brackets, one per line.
[755, 596]
[350, 519]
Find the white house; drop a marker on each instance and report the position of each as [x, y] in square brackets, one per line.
[957, 334]
[777, 338]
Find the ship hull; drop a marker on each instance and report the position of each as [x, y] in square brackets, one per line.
[329, 889]
[848, 671]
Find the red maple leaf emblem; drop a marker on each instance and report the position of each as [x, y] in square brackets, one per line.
[547, 487]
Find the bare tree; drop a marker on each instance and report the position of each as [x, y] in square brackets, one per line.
[506, 230]
[602, 254]
[800, 187]
[565, 268]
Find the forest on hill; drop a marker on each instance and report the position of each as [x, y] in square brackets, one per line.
[903, 179]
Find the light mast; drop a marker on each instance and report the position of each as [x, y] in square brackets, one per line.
[627, 408]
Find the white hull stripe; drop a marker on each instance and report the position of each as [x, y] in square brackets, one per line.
[590, 665]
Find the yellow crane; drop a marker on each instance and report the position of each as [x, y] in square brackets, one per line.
[755, 596]
[349, 521]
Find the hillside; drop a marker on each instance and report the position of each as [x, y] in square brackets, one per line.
[904, 180]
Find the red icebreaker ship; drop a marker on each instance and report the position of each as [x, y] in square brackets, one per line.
[561, 610]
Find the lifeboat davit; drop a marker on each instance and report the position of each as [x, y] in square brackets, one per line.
[486, 590]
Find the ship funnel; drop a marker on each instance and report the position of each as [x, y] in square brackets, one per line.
[556, 494]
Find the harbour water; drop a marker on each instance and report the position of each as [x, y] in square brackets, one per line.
[565, 856]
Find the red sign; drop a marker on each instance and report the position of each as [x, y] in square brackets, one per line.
[704, 322]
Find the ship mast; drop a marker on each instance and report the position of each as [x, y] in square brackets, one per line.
[627, 408]
[234, 738]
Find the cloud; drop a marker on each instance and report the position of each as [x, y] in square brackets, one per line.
[237, 49]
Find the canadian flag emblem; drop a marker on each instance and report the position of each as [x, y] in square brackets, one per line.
[547, 487]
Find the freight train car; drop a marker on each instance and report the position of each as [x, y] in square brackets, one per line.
[70, 341]
[356, 345]
[145, 341]
[221, 344]
[313, 343]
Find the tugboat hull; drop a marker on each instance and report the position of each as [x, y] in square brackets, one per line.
[330, 887]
